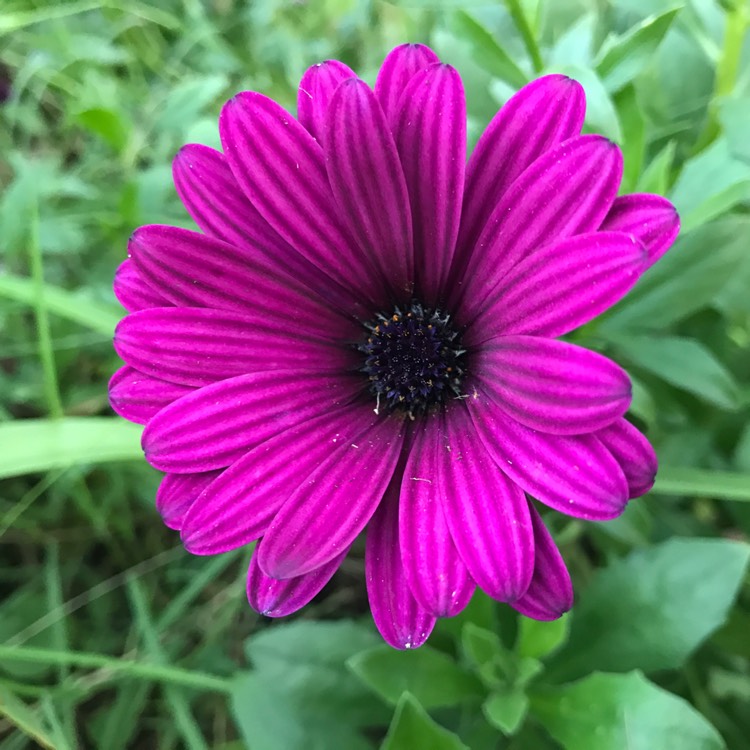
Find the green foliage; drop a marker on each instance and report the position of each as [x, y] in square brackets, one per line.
[112, 637]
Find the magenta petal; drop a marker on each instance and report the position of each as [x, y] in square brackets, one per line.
[573, 474]
[436, 574]
[216, 425]
[566, 191]
[315, 91]
[430, 132]
[540, 116]
[634, 453]
[399, 67]
[368, 183]
[280, 167]
[552, 386]
[197, 346]
[326, 513]
[138, 397]
[274, 598]
[562, 286]
[177, 493]
[401, 620]
[239, 507]
[550, 594]
[653, 220]
[487, 513]
[132, 291]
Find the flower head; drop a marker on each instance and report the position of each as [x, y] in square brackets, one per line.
[365, 335]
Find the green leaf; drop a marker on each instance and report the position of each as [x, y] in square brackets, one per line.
[506, 709]
[27, 720]
[434, 678]
[652, 609]
[685, 363]
[413, 729]
[106, 123]
[719, 485]
[634, 133]
[537, 639]
[621, 60]
[656, 178]
[31, 445]
[734, 115]
[97, 316]
[615, 712]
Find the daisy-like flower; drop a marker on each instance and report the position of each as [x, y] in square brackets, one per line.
[365, 337]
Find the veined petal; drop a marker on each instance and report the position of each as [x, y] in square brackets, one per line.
[315, 91]
[550, 594]
[368, 183]
[401, 620]
[653, 220]
[487, 513]
[138, 397]
[540, 116]
[280, 167]
[197, 346]
[216, 425]
[177, 493]
[430, 132]
[634, 453]
[399, 67]
[566, 191]
[132, 291]
[239, 507]
[327, 512]
[560, 287]
[274, 598]
[552, 386]
[436, 574]
[574, 474]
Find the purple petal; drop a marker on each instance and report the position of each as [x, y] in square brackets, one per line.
[239, 507]
[138, 397]
[430, 132]
[280, 167]
[560, 287]
[575, 474]
[550, 594]
[488, 515]
[368, 183]
[540, 116]
[653, 220]
[315, 91]
[274, 598]
[216, 425]
[401, 620]
[565, 192]
[198, 346]
[132, 291]
[326, 513]
[177, 493]
[399, 67]
[552, 386]
[634, 453]
[436, 574]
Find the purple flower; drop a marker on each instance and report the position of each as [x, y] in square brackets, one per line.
[365, 336]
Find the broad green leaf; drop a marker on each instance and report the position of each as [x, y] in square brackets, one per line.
[622, 712]
[432, 677]
[106, 123]
[688, 278]
[487, 52]
[413, 729]
[734, 115]
[634, 136]
[656, 178]
[97, 316]
[537, 639]
[652, 609]
[186, 100]
[685, 363]
[575, 45]
[621, 60]
[506, 709]
[721, 485]
[32, 445]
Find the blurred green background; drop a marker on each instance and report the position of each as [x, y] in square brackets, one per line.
[112, 637]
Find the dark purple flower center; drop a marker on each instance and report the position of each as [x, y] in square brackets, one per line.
[413, 360]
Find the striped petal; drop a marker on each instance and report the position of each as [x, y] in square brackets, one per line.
[138, 397]
[178, 492]
[552, 386]
[315, 91]
[133, 292]
[430, 132]
[634, 453]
